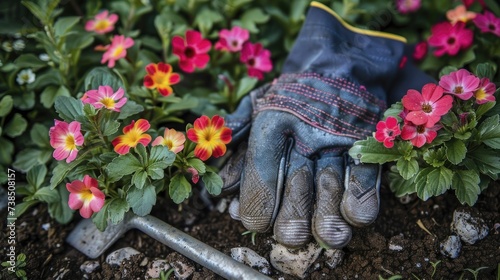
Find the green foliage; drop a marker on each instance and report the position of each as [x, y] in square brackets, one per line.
[16, 267]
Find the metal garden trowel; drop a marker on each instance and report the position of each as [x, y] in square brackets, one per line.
[92, 242]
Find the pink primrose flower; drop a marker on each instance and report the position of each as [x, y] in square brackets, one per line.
[426, 108]
[172, 139]
[450, 39]
[232, 40]
[65, 139]
[419, 134]
[488, 22]
[460, 83]
[408, 6]
[485, 92]
[102, 23]
[387, 131]
[191, 50]
[86, 196]
[257, 59]
[105, 97]
[117, 49]
[460, 13]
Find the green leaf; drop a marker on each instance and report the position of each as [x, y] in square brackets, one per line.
[206, 18]
[7, 152]
[484, 108]
[6, 105]
[464, 57]
[421, 184]
[40, 135]
[122, 166]
[187, 102]
[155, 170]
[109, 127]
[407, 168]
[394, 110]
[142, 200]
[455, 151]
[24, 206]
[68, 108]
[62, 169]
[251, 17]
[47, 195]
[36, 176]
[197, 164]
[29, 61]
[139, 179]
[64, 24]
[60, 210]
[435, 157]
[16, 126]
[36, 10]
[486, 160]
[372, 151]
[447, 70]
[439, 180]
[489, 132]
[161, 154]
[26, 159]
[179, 188]
[245, 85]
[485, 70]
[116, 210]
[100, 218]
[102, 76]
[466, 186]
[213, 183]
[398, 185]
[24, 101]
[50, 93]
[129, 109]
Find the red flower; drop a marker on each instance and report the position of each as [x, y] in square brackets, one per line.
[160, 76]
[428, 107]
[419, 134]
[450, 39]
[387, 131]
[134, 134]
[420, 51]
[210, 136]
[192, 51]
[257, 59]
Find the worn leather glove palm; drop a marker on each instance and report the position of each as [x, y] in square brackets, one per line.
[295, 173]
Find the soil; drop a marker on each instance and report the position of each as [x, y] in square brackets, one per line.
[366, 257]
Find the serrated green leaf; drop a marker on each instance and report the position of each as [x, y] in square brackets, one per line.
[251, 18]
[50, 93]
[435, 157]
[423, 192]
[36, 176]
[206, 18]
[179, 188]
[394, 110]
[439, 180]
[122, 166]
[62, 169]
[484, 108]
[102, 76]
[398, 185]
[142, 200]
[155, 170]
[139, 179]
[68, 108]
[486, 160]
[6, 105]
[455, 151]
[40, 135]
[142, 154]
[407, 168]
[47, 195]
[129, 109]
[466, 186]
[489, 132]
[372, 151]
[117, 209]
[197, 164]
[16, 126]
[64, 24]
[100, 218]
[110, 128]
[213, 183]
[161, 153]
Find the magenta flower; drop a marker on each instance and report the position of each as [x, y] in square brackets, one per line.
[408, 6]
[117, 49]
[257, 59]
[488, 22]
[419, 134]
[86, 196]
[387, 131]
[102, 23]
[485, 92]
[104, 97]
[420, 51]
[450, 39]
[195, 176]
[65, 139]
[460, 83]
[232, 40]
[192, 51]
[426, 108]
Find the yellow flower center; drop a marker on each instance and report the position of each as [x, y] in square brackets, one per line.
[160, 78]
[86, 195]
[70, 142]
[132, 137]
[108, 102]
[169, 143]
[101, 24]
[480, 94]
[118, 51]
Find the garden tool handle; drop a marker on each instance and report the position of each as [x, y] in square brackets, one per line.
[194, 249]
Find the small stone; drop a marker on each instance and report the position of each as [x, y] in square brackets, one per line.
[89, 266]
[397, 243]
[251, 258]
[182, 270]
[334, 257]
[222, 205]
[469, 229]
[451, 246]
[46, 226]
[116, 257]
[294, 261]
[144, 262]
[157, 266]
[234, 209]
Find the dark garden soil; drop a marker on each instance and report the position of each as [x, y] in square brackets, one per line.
[366, 257]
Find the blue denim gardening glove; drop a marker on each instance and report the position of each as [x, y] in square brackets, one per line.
[294, 174]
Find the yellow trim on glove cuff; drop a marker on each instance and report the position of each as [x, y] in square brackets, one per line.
[358, 30]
